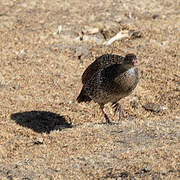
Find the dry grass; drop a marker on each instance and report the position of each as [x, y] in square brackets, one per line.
[45, 133]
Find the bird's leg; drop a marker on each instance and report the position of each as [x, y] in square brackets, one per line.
[118, 108]
[105, 115]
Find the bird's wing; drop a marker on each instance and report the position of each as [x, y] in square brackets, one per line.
[100, 63]
[113, 71]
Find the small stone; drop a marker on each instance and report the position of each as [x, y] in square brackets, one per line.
[135, 34]
[118, 19]
[9, 172]
[15, 87]
[2, 79]
[38, 141]
[132, 178]
[69, 36]
[119, 178]
[155, 16]
[58, 75]
[153, 107]
[106, 34]
[89, 30]
[147, 169]
[59, 29]
[82, 51]
[27, 178]
[124, 174]
[1, 85]
[10, 177]
[134, 104]
[93, 39]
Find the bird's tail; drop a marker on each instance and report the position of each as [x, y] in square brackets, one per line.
[83, 97]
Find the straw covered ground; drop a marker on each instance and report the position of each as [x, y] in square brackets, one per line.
[44, 48]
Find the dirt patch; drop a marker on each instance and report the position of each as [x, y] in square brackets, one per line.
[45, 47]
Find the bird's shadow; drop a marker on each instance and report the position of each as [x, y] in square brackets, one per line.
[41, 121]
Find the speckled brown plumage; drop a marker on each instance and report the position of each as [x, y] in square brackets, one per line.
[108, 79]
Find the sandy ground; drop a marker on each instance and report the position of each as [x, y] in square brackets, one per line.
[45, 133]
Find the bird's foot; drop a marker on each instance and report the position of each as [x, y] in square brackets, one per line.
[110, 122]
[106, 117]
[117, 108]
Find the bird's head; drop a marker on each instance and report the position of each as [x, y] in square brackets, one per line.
[130, 60]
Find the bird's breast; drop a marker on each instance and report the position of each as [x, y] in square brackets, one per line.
[128, 80]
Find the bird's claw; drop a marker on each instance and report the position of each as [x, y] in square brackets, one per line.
[117, 108]
[107, 119]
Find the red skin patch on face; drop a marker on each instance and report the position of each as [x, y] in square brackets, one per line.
[133, 62]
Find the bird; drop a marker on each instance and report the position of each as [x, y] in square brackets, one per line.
[108, 79]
